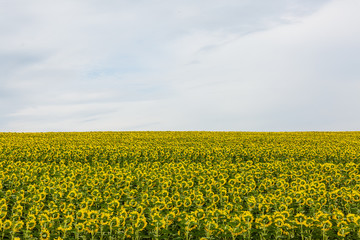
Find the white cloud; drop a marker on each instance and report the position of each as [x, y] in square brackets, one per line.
[184, 65]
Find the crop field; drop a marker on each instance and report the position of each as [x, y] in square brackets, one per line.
[180, 185]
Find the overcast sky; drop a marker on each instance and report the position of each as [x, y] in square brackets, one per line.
[232, 65]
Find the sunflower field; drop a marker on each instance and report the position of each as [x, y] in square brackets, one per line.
[180, 185]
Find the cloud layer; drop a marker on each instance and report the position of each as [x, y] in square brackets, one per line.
[185, 65]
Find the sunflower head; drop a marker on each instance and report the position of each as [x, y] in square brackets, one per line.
[17, 226]
[247, 217]
[31, 224]
[264, 220]
[326, 225]
[279, 222]
[300, 219]
[7, 224]
[114, 222]
[44, 234]
[141, 223]
[80, 227]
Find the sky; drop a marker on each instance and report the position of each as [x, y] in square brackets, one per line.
[181, 65]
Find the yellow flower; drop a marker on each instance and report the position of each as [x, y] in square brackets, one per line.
[338, 215]
[92, 227]
[283, 207]
[7, 224]
[285, 228]
[3, 214]
[265, 221]
[93, 214]
[355, 196]
[17, 226]
[235, 222]
[79, 227]
[68, 220]
[343, 231]
[44, 234]
[72, 194]
[54, 215]
[309, 202]
[326, 225]
[300, 219]
[309, 222]
[247, 217]
[104, 218]
[187, 202]
[357, 220]
[279, 222]
[141, 223]
[215, 198]
[288, 200]
[115, 222]
[44, 218]
[342, 224]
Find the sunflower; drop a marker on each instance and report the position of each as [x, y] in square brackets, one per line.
[54, 215]
[68, 220]
[351, 217]
[31, 224]
[3, 214]
[338, 215]
[114, 222]
[210, 226]
[283, 207]
[199, 200]
[309, 222]
[7, 224]
[72, 194]
[93, 214]
[44, 234]
[251, 204]
[247, 217]
[215, 198]
[83, 205]
[288, 200]
[300, 219]
[309, 202]
[235, 222]
[279, 222]
[200, 214]
[326, 225]
[160, 205]
[114, 204]
[264, 220]
[264, 208]
[133, 203]
[355, 196]
[92, 227]
[134, 215]
[322, 200]
[17, 226]
[81, 214]
[237, 200]
[141, 223]
[285, 228]
[105, 218]
[343, 231]
[187, 202]
[79, 227]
